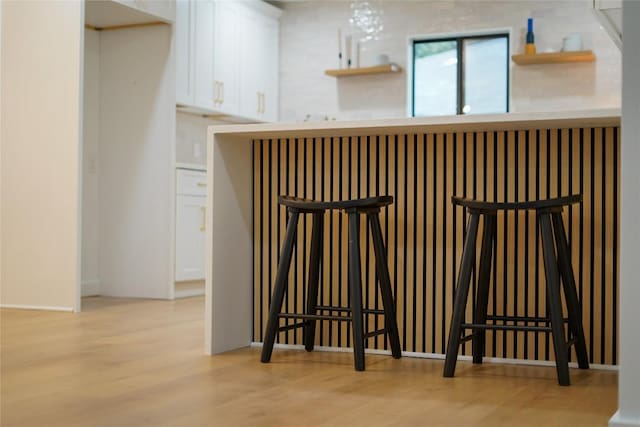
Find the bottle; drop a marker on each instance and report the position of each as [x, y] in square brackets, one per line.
[530, 47]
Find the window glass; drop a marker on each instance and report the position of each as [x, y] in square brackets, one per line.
[463, 75]
[435, 78]
[485, 75]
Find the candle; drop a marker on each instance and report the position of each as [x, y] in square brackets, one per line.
[348, 50]
[357, 54]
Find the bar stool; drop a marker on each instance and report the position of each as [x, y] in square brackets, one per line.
[369, 206]
[557, 262]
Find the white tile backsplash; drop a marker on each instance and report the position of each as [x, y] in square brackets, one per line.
[191, 138]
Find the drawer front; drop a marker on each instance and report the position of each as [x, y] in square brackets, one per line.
[191, 183]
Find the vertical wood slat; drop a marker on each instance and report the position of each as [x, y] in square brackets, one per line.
[424, 233]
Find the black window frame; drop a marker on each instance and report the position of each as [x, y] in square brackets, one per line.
[460, 66]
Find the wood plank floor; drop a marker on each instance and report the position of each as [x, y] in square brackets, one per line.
[141, 363]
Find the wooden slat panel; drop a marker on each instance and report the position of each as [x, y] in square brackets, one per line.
[425, 234]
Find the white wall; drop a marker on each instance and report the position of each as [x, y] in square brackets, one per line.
[0, 146]
[91, 131]
[41, 152]
[136, 162]
[308, 46]
[629, 375]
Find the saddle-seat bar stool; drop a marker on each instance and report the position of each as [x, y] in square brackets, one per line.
[354, 208]
[557, 265]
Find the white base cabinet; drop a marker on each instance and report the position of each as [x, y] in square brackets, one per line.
[191, 201]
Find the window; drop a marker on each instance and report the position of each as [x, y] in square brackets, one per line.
[460, 75]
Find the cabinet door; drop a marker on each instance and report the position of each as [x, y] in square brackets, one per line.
[250, 70]
[190, 237]
[259, 65]
[226, 55]
[184, 30]
[270, 65]
[206, 91]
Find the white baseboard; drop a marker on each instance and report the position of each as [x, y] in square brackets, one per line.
[438, 356]
[186, 293]
[36, 307]
[189, 288]
[91, 288]
[618, 421]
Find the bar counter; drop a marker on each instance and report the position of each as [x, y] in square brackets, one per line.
[422, 162]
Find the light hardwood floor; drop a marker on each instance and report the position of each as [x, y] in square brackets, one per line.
[141, 363]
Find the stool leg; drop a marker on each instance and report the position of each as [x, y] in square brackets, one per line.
[484, 276]
[554, 300]
[314, 272]
[355, 291]
[280, 287]
[462, 292]
[570, 292]
[382, 270]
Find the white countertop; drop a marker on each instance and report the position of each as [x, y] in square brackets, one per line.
[482, 122]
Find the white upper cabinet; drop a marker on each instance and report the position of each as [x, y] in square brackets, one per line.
[259, 63]
[270, 38]
[226, 56]
[233, 67]
[184, 31]
[206, 91]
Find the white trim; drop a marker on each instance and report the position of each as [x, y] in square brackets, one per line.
[263, 8]
[37, 307]
[438, 356]
[423, 37]
[91, 288]
[618, 421]
[186, 293]
[191, 166]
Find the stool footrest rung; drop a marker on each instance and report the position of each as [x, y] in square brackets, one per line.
[292, 326]
[347, 309]
[467, 338]
[314, 317]
[375, 333]
[507, 327]
[525, 319]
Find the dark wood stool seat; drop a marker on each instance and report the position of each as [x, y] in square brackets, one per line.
[308, 206]
[555, 203]
[369, 206]
[557, 265]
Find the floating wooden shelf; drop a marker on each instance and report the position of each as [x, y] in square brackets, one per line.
[378, 69]
[554, 57]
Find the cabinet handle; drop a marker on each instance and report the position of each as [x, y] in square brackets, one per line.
[216, 92]
[201, 184]
[264, 103]
[203, 209]
[222, 92]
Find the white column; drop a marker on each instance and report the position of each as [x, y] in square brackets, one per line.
[41, 153]
[629, 375]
